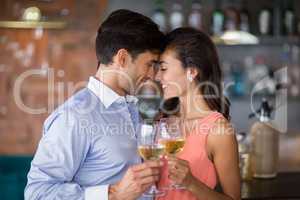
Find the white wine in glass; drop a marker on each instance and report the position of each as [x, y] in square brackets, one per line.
[150, 149]
[172, 146]
[171, 136]
[151, 152]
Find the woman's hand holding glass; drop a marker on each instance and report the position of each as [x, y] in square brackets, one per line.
[171, 135]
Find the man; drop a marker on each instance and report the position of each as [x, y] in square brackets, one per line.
[89, 146]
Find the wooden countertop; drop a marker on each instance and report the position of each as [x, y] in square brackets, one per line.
[284, 186]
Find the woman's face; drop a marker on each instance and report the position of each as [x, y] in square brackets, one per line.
[172, 75]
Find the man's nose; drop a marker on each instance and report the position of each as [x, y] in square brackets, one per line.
[151, 73]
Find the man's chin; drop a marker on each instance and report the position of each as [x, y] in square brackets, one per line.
[140, 82]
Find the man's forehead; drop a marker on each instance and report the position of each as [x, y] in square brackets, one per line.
[149, 56]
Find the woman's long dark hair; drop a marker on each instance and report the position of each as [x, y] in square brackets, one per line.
[195, 49]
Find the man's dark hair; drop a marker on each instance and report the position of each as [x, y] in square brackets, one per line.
[129, 30]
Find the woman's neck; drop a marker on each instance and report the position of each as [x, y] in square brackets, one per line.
[193, 105]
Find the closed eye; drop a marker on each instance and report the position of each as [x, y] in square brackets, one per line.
[162, 66]
[152, 63]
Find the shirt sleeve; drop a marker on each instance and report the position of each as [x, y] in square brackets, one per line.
[61, 151]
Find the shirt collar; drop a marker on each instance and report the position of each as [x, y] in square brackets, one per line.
[106, 95]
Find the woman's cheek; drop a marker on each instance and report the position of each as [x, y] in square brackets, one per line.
[172, 90]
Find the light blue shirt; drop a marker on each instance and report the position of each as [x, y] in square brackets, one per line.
[88, 143]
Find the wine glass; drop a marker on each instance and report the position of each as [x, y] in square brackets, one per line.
[171, 136]
[150, 149]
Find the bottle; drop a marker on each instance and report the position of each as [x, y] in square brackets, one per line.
[265, 21]
[265, 143]
[289, 19]
[159, 16]
[295, 72]
[176, 16]
[217, 20]
[195, 17]
[238, 76]
[286, 62]
[232, 16]
[249, 73]
[245, 19]
[244, 156]
[232, 19]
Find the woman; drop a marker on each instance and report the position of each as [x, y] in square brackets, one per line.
[190, 70]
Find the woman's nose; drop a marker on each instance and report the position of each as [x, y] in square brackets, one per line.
[158, 76]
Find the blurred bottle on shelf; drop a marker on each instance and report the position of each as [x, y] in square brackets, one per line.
[265, 21]
[238, 77]
[195, 16]
[277, 17]
[176, 16]
[250, 73]
[289, 18]
[285, 59]
[218, 19]
[295, 72]
[159, 15]
[244, 156]
[232, 19]
[245, 18]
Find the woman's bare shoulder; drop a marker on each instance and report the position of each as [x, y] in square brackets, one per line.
[222, 136]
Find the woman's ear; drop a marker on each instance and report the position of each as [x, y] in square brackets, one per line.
[191, 74]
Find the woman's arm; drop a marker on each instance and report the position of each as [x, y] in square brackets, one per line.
[223, 149]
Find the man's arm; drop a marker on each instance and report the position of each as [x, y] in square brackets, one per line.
[60, 153]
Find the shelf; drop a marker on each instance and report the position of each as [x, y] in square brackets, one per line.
[247, 98]
[33, 24]
[267, 41]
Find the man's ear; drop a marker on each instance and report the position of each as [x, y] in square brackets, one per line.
[122, 58]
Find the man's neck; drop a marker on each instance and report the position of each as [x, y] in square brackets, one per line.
[110, 79]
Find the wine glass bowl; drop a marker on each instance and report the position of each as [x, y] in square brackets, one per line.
[149, 149]
[171, 136]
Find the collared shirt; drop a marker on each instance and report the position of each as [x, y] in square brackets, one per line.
[88, 143]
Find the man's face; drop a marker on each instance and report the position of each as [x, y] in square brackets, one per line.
[139, 70]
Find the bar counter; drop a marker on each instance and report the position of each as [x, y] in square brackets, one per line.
[285, 186]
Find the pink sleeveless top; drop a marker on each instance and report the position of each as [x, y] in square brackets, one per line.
[194, 151]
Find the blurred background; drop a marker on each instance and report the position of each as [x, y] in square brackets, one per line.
[47, 53]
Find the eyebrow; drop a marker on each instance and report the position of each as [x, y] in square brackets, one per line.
[154, 62]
